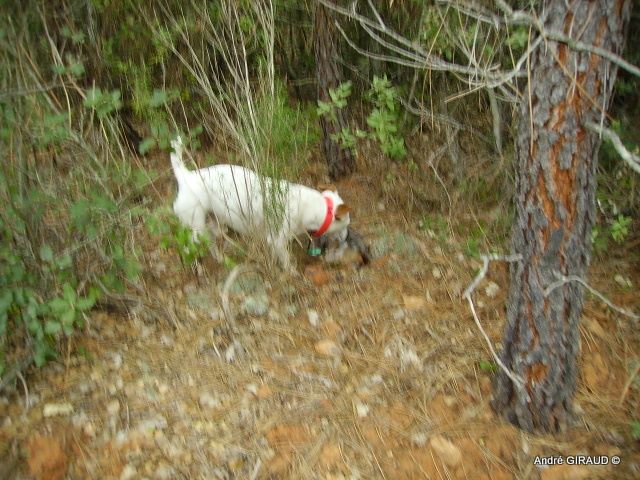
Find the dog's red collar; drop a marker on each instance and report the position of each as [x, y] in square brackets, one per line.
[327, 219]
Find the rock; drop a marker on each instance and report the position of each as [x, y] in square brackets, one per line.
[256, 305]
[313, 317]
[56, 409]
[437, 274]
[447, 451]
[566, 472]
[128, 472]
[491, 290]
[327, 348]
[46, 459]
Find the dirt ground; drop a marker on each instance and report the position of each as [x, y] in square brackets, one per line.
[341, 373]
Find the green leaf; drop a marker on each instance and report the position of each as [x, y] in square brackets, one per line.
[69, 293]
[46, 254]
[85, 303]
[63, 261]
[58, 305]
[487, 366]
[146, 145]
[52, 327]
[68, 317]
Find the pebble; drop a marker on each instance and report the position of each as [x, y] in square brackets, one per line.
[313, 317]
[327, 348]
[56, 409]
[113, 407]
[164, 472]
[362, 409]
[128, 472]
[491, 290]
[207, 400]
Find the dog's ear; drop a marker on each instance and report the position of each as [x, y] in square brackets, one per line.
[327, 186]
[342, 211]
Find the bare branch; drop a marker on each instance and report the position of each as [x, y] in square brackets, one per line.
[562, 280]
[517, 380]
[630, 158]
[524, 18]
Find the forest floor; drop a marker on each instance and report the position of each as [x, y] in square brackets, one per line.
[344, 372]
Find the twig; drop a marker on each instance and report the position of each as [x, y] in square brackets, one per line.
[224, 293]
[485, 266]
[15, 371]
[517, 380]
[630, 158]
[562, 279]
[27, 399]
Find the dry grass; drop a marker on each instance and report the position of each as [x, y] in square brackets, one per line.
[257, 399]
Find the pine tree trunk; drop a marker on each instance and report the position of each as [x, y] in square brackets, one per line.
[555, 205]
[340, 161]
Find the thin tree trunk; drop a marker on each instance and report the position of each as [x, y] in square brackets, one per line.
[340, 161]
[555, 203]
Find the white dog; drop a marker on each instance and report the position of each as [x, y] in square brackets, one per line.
[237, 198]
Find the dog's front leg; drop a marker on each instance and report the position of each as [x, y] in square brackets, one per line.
[278, 244]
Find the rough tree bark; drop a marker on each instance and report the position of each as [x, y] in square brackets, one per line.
[340, 161]
[555, 203]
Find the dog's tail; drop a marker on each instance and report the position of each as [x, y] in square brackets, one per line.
[179, 169]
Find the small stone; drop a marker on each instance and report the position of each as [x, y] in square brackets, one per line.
[437, 274]
[491, 290]
[327, 348]
[362, 409]
[56, 409]
[252, 389]
[89, 430]
[447, 451]
[419, 439]
[313, 317]
[116, 361]
[206, 400]
[155, 423]
[128, 472]
[398, 314]
[113, 407]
